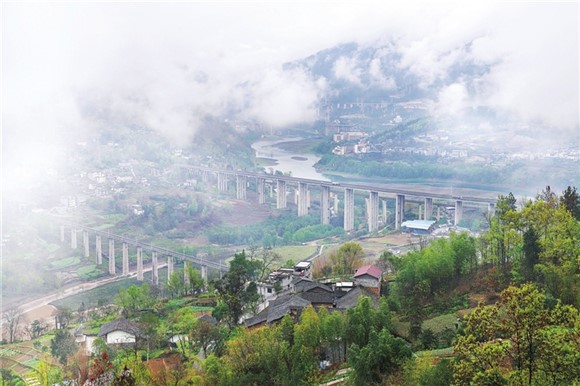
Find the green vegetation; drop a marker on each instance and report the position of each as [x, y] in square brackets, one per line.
[281, 230]
[67, 262]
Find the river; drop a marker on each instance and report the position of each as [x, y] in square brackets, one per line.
[298, 165]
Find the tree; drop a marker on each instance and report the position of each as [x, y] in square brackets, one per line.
[519, 340]
[383, 355]
[348, 257]
[570, 200]
[12, 316]
[135, 298]
[36, 329]
[175, 284]
[235, 290]
[196, 282]
[63, 345]
[63, 316]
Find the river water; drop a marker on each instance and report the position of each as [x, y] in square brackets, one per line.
[298, 164]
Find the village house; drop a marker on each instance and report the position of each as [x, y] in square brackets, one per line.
[120, 331]
[370, 277]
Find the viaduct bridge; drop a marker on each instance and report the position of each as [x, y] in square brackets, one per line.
[155, 252]
[328, 190]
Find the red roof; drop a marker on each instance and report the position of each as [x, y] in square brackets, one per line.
[371, 270]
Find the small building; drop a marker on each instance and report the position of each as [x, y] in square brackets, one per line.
[120, 331]
[369, 276]
[418, 227]
[303, 269]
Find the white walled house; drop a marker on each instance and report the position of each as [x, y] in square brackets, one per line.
[120, 331]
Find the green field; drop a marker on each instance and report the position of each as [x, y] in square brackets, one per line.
[105, 294]
[66, 262]
[295, 253]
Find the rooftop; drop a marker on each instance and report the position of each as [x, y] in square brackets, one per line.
[371, 270]
[418, 224]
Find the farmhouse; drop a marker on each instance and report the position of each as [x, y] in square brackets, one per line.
[120, 331]
[369, 276]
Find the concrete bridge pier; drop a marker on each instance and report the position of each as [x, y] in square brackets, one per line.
[99, 250]
[335, 201]
[428, 208]
[73, 238]
[186, 273]
[112, 257]
[204, 176]
[155, 268]
[241, 187]
[491, 209]
[204, 274]
[325, 204]
[281, 194]
[420, 212]
[384, 215]
[302, 199]
[125, 259]
[399, 211]
[222, 182]
[260, 188]
[373, 212]
[458, 211]
[86, 243]
[140, 263]
[169, 267]
[348, 209]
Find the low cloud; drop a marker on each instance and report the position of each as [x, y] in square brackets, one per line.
[346, 68]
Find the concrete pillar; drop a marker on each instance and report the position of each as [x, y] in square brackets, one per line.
[458, 211]
[222, 182]
[373, 212]
[334, 202]
[86, 243]
[111, 256]
[260, 188]
[281, 196]
[169, 267]
[186, 273]
[155, 268]
[302, 199]
[62, 233]
[384, 205]
[140, 263]
[348, 209]
[419, 212]
[428, 208]
[204, 176]
[125, 259]
[204, 274]
[73, 238]
[438, 213]
[491, 209]
[99, 250]
[241, 187]
[325, 204]
[399, 211]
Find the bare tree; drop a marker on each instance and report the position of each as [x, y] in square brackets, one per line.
[12, 317]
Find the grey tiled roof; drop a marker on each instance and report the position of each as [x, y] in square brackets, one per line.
[350, 299]
[120, 324]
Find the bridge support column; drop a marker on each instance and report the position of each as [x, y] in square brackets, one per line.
[384, 205]
[186, 274]
[99, 250]
[155, 268]
[373, 212]
[491, 209]
[335, 200]
[399, 211]
[86, 243]
[281, 194]
[204, 274]
[420, 212]
[458, 211]
[125, 259]
[111, 257]
[140, 263]
[62, 233]
[169, 267]
[241, 187]
[348, 209]
[428, 208]
[302, 199]
[222, 182]
[325, 204]
[260, 188]
[204, 176]
[73, 238]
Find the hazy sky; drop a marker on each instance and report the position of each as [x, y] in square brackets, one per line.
[166, 64]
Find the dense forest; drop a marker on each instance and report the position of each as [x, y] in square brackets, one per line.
[499, 308]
